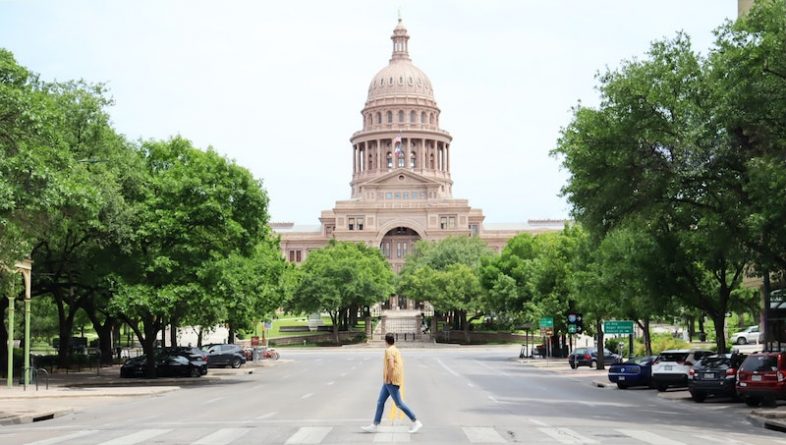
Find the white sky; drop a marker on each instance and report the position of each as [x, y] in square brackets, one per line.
[279, 86]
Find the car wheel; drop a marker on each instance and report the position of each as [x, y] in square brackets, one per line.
[236, 363]
[195, 372]
[621, 385]
[742, 341]
[751, 401]
[698, 397]
[572, 366]
[594, 364]
[661, 387]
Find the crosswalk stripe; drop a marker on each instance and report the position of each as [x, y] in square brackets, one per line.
[480, 434]
[60, 439]
[566, 435]
[137, 437]
[651, 438]
[392, 437]
[726, 440]
[222, 436]
[309, 434]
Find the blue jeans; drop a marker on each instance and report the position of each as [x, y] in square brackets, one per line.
[392, 391]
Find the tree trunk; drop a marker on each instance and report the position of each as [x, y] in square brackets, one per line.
[148, 341]
[173, 332]
[465, 324]
[601, 346]
[647, 337]
[65, 331]
[199, 337]
[231, 339]
[691, 328]
[3, 336]
[720, 336]
[701, 322]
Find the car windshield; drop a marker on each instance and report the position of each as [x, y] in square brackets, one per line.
[760, 363]
[715, 362]
[642, 361]
[673, 356]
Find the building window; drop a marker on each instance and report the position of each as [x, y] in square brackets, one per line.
[451, 222]
[412, 117]
[360, 222]
[351, 223]
[401, 160]
[389, 195]
[387, 251]
[390, 117]
[370, 161]
[379, 117]
[291, 256]
[398, 250]
[412, 160]
[405, 249]
[447, 222]
[398, 195]
[390, 160]
[431, 118]
[329, 230]
[423, 117]
[473, 229]
[443, 222]
[405, 195]
[400, 116]
[298, 258]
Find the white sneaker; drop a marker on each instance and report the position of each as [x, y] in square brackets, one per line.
[416, 425]
[369, 428]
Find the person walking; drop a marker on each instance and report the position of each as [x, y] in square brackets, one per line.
[392, 379]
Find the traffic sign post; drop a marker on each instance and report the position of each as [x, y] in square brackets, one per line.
[546, 322]
[618, 327]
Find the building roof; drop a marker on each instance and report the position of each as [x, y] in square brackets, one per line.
[295, 228]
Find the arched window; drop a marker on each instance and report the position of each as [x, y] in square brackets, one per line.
[412, 160]
[431, 161]
[400, 116]
[379, 117]
[431, 118]
[412, 117]
[401, 160]
[370, 161]
[390, 117]
[423, 117]
[390, 160]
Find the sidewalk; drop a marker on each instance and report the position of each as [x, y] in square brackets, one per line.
[70, 392]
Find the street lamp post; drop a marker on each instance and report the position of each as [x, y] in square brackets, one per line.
[25, 267]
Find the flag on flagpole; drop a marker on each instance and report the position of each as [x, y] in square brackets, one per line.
[397, 143]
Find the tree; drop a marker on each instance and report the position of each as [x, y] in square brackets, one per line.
[340, 275]
[653, 155]
[194, 208]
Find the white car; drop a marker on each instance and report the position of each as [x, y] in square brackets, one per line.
[671, 367]
[749, 335]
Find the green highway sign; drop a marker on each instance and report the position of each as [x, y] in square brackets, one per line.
[546, 322]
[618, 327]
[571, 329]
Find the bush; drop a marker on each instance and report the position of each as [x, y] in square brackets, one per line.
[660, 343]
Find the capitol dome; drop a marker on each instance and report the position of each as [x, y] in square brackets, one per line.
[400, 78]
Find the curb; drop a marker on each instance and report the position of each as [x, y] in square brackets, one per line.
[600, 384]
[36, 417]
[74, 395]
[767, 422]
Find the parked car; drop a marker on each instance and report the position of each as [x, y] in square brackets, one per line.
[589, 357]
[749, 335]
[188, 352]
[224, 355]
[762, 378]
[167, 365]
[714, 375]
[633, 372]
[671, 367]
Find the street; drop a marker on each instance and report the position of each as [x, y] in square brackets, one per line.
[462, 395]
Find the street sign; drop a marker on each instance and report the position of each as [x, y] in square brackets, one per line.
[618, 327]
[268, 325]
[546, 322]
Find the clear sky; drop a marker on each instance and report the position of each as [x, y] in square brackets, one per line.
[279, 86]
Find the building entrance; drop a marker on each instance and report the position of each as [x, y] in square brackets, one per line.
[395, 246]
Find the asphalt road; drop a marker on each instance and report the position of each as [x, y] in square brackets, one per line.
[463, 396]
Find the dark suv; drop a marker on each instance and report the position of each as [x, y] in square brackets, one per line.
[224, 355]
[714, 375]
[762, 378]
[589, 357]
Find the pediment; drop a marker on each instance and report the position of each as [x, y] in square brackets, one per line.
[401, 177]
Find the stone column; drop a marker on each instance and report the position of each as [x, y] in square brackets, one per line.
[447, 157]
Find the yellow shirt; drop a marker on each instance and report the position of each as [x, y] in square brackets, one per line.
[396, 376]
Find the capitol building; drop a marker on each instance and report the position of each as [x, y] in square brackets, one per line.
[401, 188]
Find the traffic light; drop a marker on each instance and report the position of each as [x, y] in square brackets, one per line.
[575, 323]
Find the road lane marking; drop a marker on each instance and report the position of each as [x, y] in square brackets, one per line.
[538, 422]
[447, 369]
[267, 416]
[482, 435]
[309, 435]
[305, 396]
[652, 438]
[137, 437]
[566, 435]
[59, 439]
[214, 400]
[223, 436]
[330, 383]
[493, 399]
